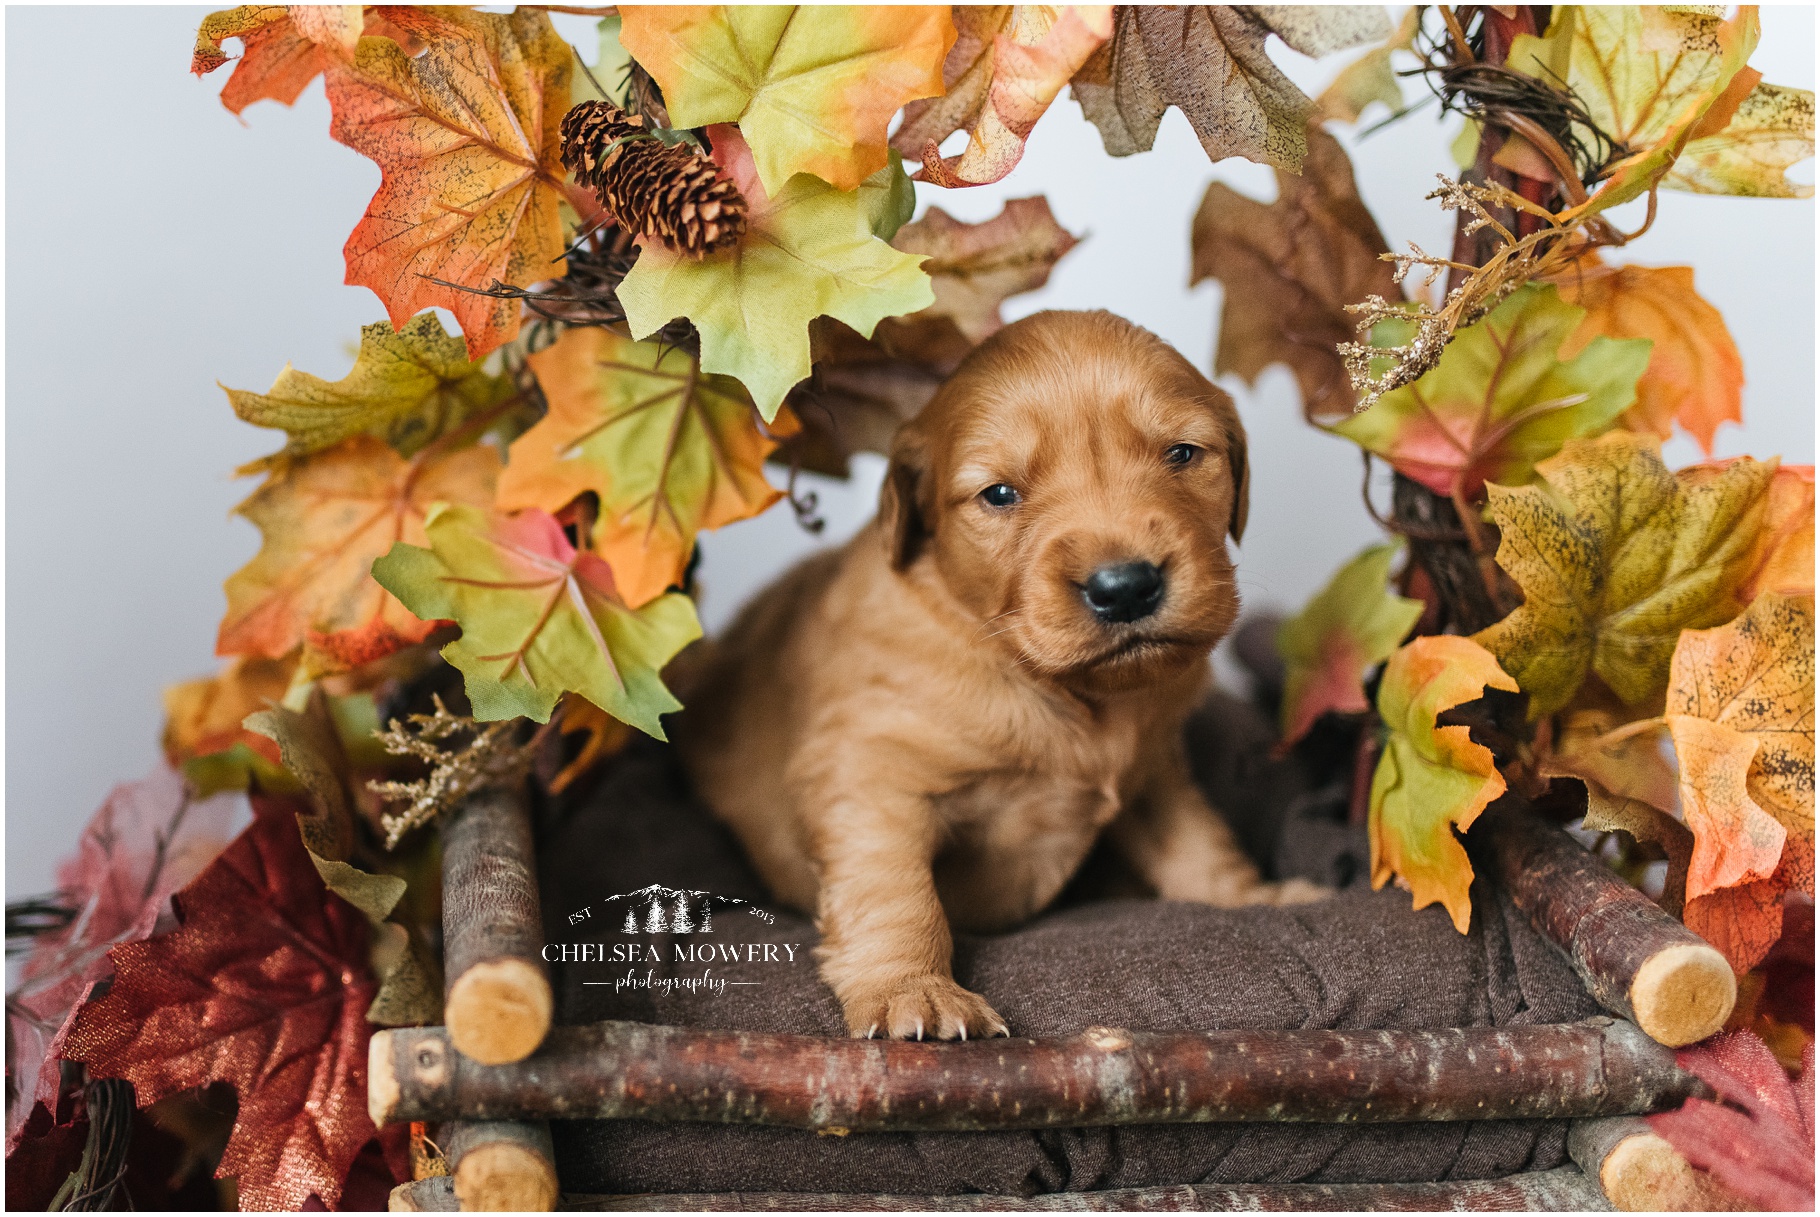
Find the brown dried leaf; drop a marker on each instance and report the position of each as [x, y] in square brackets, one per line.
[1209, 60]
[1290, 268]
[974, 268]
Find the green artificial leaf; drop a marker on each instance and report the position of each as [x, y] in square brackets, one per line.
[1370, 78]
[1431, 780]
[537, 618]
[407, 388]
[1616, 556]
[1351, 624]
[610, 78]
[1500, 400]
[311, 749]
[310, 745]
[890, 198]
[813, 87]
[666, 451]
[807, 253]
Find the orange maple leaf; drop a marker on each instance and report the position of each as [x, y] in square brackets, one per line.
[204, 716]
[1785, 555]
[1746, 690]
[286, 46]
[670, 450]
[467, 142]
[324, 523]
[1006, 67]
[1695, 375]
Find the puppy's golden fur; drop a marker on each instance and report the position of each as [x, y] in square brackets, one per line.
[932, 726]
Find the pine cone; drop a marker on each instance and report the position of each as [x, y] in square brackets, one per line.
[669, 191]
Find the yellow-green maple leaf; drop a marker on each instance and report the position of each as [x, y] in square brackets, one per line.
[1616, 556]
[812, 87]
[1432, 779]
[1772, 130]
[407, 388]
[1500, 400]
[669, 450]
[538, 618]
[807, 253]
[1351, 624]
[1652, 77]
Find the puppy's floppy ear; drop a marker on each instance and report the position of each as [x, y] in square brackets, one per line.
[902, 510]
[1236, 463]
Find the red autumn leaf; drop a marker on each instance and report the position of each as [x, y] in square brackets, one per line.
[41, 1157]
[147, 840]
[465, 136]
[286, 46]
[265, 986]
[1759, 1141]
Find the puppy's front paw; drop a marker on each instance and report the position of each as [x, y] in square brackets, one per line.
[927, 1007]
[1299, 891]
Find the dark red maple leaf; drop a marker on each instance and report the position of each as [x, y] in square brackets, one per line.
[41, 1158]
[265, 985]
[147, 840]
[1759, 1141]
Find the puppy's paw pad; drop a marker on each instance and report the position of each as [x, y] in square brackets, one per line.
[923, 1008]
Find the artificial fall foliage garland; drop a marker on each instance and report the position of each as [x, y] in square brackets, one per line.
[699, 256]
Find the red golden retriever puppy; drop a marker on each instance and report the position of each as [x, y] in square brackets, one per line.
[932, 725]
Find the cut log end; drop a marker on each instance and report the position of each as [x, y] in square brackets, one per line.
[1645, 1174]
[503, 1177]
[1683, 993]
[382, 1080]
[498, 1011]
[433, 1195]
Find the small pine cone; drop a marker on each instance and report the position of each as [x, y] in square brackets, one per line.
[669, 191]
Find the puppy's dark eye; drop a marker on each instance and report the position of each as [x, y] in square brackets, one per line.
[1180, 454]
[1000, 495]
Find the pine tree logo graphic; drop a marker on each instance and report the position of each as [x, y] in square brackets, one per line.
[667, 910]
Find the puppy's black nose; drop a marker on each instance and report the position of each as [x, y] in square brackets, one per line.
[1126, 592]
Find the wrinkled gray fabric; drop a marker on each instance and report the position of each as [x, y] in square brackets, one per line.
[1361, 960]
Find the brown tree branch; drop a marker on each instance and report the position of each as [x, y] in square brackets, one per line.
[1104, 1076]
[1634, 958]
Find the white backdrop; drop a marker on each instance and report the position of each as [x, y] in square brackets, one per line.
[156, 245]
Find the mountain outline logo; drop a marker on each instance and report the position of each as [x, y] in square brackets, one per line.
[657, 909]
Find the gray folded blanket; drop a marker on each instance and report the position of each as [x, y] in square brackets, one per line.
[1102, 957]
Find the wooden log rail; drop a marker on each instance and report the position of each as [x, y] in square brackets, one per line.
[499, 1003]
[1638, 1171]
[637, 1071]
[504, 1166]
[1634, 958]
[1566, 1190]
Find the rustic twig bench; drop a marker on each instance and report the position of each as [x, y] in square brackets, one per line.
[495, 1075]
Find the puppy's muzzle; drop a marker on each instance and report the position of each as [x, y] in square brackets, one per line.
[1127, 591]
